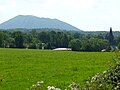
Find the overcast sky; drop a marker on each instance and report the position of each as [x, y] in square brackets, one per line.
[87, 15]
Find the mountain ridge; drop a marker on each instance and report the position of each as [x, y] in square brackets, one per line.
[34, 22]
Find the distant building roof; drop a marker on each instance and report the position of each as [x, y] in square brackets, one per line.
[63, 49]
[103, 50]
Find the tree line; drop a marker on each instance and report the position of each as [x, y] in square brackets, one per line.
[52, 39]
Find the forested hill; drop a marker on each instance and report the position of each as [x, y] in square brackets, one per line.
[33, 22]
[115, 33]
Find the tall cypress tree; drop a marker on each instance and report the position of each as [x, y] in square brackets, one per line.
[110, 37]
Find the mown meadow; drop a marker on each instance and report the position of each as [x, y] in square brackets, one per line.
[21, 68]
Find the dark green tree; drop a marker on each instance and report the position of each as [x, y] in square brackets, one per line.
[19, 39]
[119, 45]
[94, 44]
[52, 42]
[75, 44]
[43, 37]
[35, 44]
[65, 41]
[110, 37]
[59, 36]
[1, 38]
[118, 40]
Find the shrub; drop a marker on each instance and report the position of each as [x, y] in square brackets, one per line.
[108, 80]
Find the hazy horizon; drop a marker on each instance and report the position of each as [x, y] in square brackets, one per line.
[87, 15]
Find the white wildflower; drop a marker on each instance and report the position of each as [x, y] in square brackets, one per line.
[87, 82]
[57, 89]
[40, 83]
[116, 88]
[53, 88]
[33, 85]
[100, 85]
[73, 85]
[104, 72]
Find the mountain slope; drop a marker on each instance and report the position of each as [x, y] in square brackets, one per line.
[33, 22]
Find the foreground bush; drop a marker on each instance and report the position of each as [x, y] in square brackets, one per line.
[108, 80]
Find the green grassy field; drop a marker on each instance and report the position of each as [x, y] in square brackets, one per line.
[20, 68]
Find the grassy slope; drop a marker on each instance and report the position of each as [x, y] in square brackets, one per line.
[19, 69]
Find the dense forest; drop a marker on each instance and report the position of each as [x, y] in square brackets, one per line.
[51, 39]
